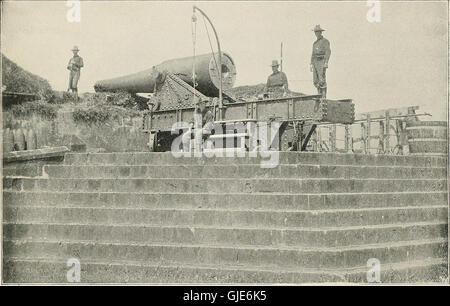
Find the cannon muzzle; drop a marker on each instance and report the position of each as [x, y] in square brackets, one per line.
[206, 71]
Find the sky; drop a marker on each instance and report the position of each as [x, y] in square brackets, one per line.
[399, 61]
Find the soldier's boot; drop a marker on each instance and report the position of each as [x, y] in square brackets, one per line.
[75, 91]
[324, 92]
[320, 91]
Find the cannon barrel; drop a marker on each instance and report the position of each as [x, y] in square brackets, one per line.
[207, 76]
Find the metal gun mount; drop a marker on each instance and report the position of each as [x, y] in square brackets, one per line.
[174, 101]
[176, 90]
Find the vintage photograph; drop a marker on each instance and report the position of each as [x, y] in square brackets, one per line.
[224, 142]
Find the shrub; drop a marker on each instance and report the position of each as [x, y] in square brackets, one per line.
[120, 99]
[101, 113]
[41, 108]
[91, 115]
[61, 97]
[16, 79]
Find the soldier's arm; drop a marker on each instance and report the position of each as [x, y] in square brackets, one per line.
[209, 120]
[285, 81]
[81, 63]
[209, 116]
[69, 65]
[267, 84]
[327, 51]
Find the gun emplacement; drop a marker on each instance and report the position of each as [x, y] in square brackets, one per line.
[178, 85]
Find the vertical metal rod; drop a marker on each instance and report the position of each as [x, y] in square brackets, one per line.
[318, 139]
[363, 137]
[332, 136]
[381, 139]
[387, 130]
[350, 138]
[400, 135]
[368, 134]
[220, 59]
[347, 137]
[300, 136]
[281, 57]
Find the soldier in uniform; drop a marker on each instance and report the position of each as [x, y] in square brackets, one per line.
[277, 81]
[319, 61]
[202, 109]
[201, 112]
[74, 65]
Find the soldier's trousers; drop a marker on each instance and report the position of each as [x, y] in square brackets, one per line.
[319, 74]
[74, 76]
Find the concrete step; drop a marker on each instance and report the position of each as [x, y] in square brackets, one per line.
[23, 169]
[312, 158]
[232, 201]
[242, 171]
[51, 270]
[211, 185]
[250, 256]
[432, 270]
[223, 217]
[229, 236]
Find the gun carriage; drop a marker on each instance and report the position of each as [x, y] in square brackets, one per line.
[178, 85]
[174, 98]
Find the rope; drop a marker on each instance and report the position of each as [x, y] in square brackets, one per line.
[194, 38]
[210, 45]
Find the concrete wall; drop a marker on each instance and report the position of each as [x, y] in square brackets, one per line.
[120, 135]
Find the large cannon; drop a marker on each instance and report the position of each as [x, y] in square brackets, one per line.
[206, 75]
[178, 85]
[174, 97]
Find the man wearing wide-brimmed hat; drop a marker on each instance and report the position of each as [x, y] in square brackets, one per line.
[319, 61]
[277, 80]
[75, 64]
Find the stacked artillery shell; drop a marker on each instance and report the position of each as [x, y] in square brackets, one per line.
[8, 140]
[31, 139]
[19, 140]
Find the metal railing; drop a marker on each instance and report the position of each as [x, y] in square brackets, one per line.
[378, 132]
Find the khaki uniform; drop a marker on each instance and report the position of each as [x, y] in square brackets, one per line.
[207, 121]
[207, 117]
[277, 80]
[74, 65]
[320, 55]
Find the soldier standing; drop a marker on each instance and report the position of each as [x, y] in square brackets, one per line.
[74, 65]
[277, 80]
[319, 61]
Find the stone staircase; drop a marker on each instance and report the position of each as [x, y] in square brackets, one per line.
[153, 218]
